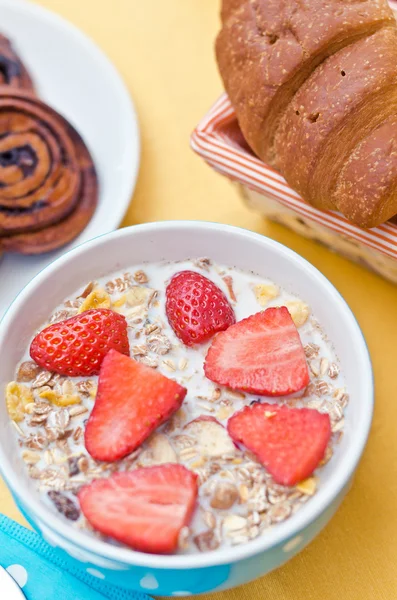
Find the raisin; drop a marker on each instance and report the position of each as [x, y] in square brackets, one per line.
[64, 505]
[73, 466]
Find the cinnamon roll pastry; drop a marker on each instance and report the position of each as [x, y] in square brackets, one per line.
[12, 69]
[48, 182]
[61, 233]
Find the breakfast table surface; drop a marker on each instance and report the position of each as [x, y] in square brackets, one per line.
[164, 51]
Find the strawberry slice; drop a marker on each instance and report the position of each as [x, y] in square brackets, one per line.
[77, 346]
[145, 509]
[132, 401]
[262, 354]
[196, 308]
[289, 442]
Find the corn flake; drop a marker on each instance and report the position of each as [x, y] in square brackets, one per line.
[17, 398]
[299, 312]
[264, 293]
[60, 400]
[97, 299]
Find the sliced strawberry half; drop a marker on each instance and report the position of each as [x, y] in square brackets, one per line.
[196, 308]
[145, 509]
[77, 346]
[262, 354]
[132, 401]
[289, 442]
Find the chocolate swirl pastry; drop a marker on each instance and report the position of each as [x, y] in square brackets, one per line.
[12, 70]
[48, 182]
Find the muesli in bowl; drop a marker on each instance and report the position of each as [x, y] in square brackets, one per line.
[247, 503]
[178, 406]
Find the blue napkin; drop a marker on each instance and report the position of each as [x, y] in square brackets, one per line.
[43, 574]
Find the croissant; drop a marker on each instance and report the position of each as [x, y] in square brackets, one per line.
[314, 87]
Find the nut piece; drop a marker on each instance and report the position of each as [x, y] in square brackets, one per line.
[17, 397]
[299, 312]
[97, 299]
[266, 292]
[212, 438]
[225, 495]
[27, 371]
[159, 451]
[206, 541]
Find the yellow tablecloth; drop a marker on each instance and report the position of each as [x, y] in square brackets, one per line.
[163, 49]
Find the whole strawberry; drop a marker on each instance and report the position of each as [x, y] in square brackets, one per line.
[77, 346]
[196, 308]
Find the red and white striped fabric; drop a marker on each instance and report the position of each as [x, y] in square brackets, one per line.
[219, 141]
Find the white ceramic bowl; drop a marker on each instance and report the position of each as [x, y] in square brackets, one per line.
[74, 76]
[183, 575]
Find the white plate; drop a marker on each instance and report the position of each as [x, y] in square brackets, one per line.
[76, 78]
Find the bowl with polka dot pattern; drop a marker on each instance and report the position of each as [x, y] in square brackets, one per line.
[189, 574]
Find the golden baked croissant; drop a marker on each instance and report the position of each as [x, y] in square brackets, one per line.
[314, 87]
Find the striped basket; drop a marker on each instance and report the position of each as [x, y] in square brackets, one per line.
[219, 141]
